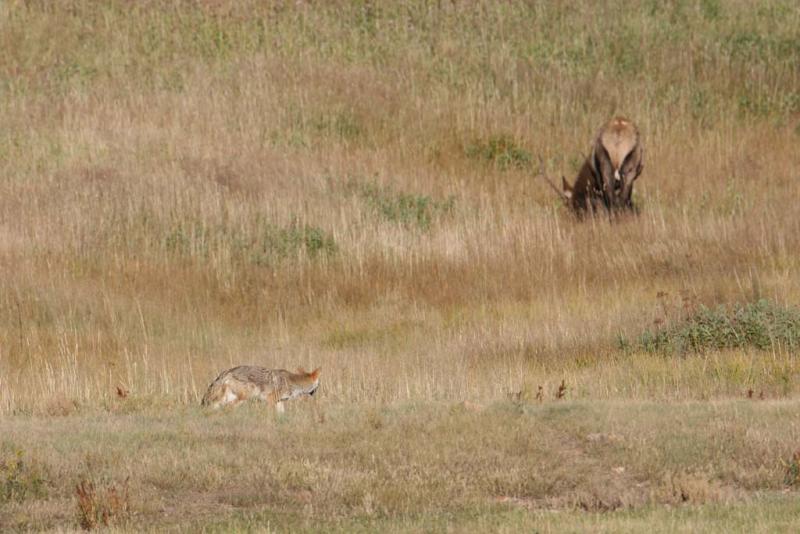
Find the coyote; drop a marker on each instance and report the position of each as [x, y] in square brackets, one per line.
[252, 382]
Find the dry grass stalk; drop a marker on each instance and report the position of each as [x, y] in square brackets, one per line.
[104, 507]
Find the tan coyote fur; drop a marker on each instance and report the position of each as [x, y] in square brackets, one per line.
[273, 386]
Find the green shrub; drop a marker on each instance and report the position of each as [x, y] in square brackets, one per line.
[761, 325]
[416, 211]
[276, 243]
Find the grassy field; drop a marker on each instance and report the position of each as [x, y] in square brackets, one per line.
[572, 465]
[189, 185]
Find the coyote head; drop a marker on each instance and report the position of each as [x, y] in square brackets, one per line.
[606, 177]
[308, 383]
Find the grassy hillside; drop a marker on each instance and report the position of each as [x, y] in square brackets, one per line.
[188, 185]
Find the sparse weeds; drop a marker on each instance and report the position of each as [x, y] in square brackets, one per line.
[265, 244]
[101, 505]
[561, 392]
[343, 125]
[792, 474]
[306, 131]
[526, 394]
[500, 150]
[409, 210]
[752, 46]
[277, 243]
[761, 325]
[20, 477]
[689, 487]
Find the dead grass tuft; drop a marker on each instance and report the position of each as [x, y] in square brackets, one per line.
[690, 487]
[61, 406]
[102, 506]
[561, 392]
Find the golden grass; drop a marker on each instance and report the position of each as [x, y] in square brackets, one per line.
[190, 185]
[170, 170]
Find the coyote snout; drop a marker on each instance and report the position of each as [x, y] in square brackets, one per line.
[273, 386]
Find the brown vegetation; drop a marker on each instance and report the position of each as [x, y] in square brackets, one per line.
[187, 186]
[186, 468]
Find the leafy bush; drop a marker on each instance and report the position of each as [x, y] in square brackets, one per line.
[761, 325]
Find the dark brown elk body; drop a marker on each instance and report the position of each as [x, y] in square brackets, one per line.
[607, 176]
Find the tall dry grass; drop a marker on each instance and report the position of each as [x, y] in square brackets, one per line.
[189, 185]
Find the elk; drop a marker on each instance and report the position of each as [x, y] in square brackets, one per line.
[606, 177]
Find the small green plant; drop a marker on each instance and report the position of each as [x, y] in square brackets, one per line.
[344, 125]
[711, 9]
[792, 475]
[276, 243]
[416, 211]
[623, 343]
[500, 150]
[761, 325]
[20, 479]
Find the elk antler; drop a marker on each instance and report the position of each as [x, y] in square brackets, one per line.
[560, 193]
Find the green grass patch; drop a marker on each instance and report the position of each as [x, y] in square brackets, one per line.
[792, 477]
[499, 150]
[307, 131]
[761, 325]
[406, 209]
[266, 244]
[20, 477]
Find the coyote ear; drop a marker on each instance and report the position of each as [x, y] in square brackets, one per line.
[315, 373]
